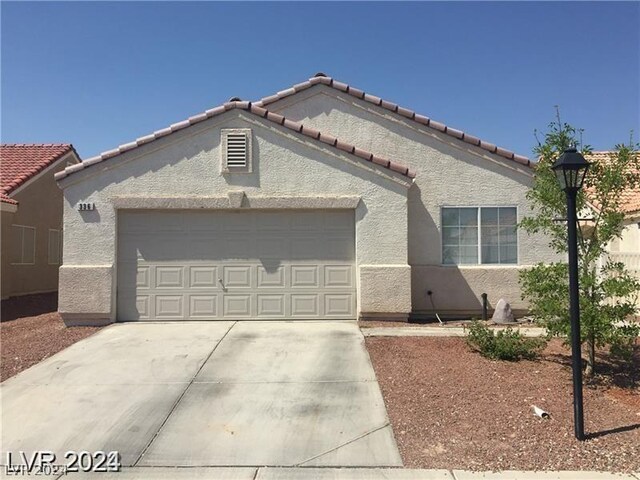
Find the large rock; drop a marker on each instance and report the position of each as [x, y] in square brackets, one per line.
[503, 313]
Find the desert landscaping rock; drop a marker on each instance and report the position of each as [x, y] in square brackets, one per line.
[502, 313]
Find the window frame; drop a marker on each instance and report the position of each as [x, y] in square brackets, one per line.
[225, 169]
[479, 227]
[22, 262]
[59, 232]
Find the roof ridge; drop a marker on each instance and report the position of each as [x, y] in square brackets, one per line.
[36, 145]
[322, 79]
[251, 108]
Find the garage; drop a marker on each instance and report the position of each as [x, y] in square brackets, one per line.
[221, 265]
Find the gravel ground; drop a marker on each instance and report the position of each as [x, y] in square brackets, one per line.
[451, 408]
[31, 330]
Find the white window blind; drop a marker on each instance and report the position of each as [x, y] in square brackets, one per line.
[479, 235]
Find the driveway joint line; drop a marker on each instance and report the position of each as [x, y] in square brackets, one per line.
[343, 444]
[181, 396]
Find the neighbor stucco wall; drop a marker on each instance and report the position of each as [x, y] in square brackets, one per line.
[187, 164]
[449, 173]
[39, 206]
[629, 240]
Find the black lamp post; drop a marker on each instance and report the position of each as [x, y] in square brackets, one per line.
[570, 170]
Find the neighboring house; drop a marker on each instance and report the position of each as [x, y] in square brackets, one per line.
[625, 249]
[318, 202]
[31, 211]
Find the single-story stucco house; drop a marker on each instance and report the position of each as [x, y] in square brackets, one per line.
[31, 212]
[318, 202]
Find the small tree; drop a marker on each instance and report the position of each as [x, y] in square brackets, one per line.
[607, 291]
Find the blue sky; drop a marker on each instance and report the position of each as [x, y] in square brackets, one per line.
[101, 74]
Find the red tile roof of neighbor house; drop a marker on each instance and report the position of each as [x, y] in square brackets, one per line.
[322, 79]
[630, 199]
[256, 110]
[20, 162]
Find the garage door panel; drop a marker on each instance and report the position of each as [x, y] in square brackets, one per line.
[203, 276]
[203, 248]
[234, 265]
[271, 305]
[273, 221]
[237, 247]
[270, 276]
[142, 303]
[273, 246]
[143, 277]
[203, 306]
[169, 306]
[337, 223]
[304, 276]
[305, 248]
[339, 248]
[338, 276]
[237, 276]
[169, 277]
[237, 305]
[338, 305]
[304, 305]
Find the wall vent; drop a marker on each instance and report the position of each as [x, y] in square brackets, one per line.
[236, 148]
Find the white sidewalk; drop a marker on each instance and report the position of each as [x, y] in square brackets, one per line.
[274, 473]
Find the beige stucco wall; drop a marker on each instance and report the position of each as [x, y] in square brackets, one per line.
[187, 164]
[449, 173]
[629, 240]
[40, 206]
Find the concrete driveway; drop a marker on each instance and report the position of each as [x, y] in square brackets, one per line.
[206, 394]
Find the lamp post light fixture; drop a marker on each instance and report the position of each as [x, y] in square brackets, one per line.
[570, 169]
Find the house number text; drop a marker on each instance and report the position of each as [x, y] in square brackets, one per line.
[83, 207]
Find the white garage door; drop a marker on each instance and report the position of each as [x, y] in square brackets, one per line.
[236, 265]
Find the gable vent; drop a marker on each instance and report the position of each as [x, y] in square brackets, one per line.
[236, 150]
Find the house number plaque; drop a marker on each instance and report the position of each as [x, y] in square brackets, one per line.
[84, 207]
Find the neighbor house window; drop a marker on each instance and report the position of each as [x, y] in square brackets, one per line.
[23, 245]
[479, 235]
[55, 243]
[236, 150]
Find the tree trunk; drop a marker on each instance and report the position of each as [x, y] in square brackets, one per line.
[591, 357]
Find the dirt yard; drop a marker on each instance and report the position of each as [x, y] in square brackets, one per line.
[451, 408]
[31, 330]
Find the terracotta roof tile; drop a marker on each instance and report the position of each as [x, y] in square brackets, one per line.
[343, 87]
[20, 162]
[5, 199]
[630, 199]
[255, 110]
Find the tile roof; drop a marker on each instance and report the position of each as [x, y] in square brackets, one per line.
[630, 199]
[322, 79]
[20, 162]
[256, 110]
[5, 199]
